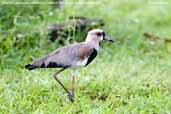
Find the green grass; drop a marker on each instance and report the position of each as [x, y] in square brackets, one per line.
[132, 76]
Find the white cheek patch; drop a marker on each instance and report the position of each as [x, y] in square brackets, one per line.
[101, 38]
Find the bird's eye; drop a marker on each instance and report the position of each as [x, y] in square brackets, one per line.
[99, 34]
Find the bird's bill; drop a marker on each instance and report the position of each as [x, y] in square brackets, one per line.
[108, 39]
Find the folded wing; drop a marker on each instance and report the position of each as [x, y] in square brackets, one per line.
[67, 56]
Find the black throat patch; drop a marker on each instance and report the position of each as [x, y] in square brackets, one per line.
[92, 56]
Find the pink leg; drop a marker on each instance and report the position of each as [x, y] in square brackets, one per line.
[56, 78]
[73, 85]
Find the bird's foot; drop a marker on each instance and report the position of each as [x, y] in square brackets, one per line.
[71, 98]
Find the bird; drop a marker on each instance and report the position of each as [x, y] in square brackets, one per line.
[71, 57]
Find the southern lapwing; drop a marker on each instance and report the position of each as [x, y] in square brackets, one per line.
[72, 56]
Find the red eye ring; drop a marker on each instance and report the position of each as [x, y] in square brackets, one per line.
[99, 34]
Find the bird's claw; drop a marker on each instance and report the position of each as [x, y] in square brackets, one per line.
[71, 98]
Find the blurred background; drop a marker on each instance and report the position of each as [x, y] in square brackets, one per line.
[136, 69]
[32, 28]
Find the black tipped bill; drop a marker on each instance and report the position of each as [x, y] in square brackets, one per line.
[108, 39]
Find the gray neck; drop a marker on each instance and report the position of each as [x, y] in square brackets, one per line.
[94, 44]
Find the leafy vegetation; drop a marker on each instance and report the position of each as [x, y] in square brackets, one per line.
[131, 76]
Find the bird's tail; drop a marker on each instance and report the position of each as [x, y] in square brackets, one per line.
[30, 66]
[39, 63]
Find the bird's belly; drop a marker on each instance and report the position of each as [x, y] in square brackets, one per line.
[80, 63]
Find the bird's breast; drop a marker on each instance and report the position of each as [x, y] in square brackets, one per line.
[82, 62]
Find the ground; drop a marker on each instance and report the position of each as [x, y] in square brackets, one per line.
[132, 76]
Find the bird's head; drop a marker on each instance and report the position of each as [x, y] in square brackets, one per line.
[98, 35]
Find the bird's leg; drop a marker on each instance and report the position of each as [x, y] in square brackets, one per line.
[73, 85]
[56, 78]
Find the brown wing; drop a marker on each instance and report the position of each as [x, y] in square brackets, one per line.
[65, 57]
